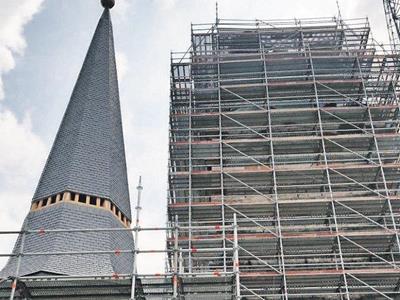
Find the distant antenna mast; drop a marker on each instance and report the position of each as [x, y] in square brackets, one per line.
[216, 13]
[339, 12]
[392, 13]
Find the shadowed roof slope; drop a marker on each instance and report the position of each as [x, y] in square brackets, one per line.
[88, 153]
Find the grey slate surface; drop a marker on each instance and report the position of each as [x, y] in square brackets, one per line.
[73, 290]
[88, 153]
[67, 216]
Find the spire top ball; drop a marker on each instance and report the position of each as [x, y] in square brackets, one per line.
[108, 3]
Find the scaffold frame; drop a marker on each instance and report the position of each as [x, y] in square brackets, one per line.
[291, 125]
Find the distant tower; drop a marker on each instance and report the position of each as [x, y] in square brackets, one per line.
[84, 183]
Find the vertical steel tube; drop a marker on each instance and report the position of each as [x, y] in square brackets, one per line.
[20, 254]
[137, 224]
[221, 159]
[236, 256]
[175, 275]
[190, 168]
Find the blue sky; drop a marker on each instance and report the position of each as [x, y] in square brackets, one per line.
[42, 47]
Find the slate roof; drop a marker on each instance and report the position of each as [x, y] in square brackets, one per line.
[88, 153]
[66, 215]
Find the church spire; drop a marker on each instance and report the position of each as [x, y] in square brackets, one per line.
[88, 155]
[84, 182]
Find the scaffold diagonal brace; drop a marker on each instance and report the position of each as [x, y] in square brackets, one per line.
[369, 286]
[244, 99]
[368, 251]
[250, 187]
[245, 126]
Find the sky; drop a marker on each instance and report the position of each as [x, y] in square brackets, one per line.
[42, 46]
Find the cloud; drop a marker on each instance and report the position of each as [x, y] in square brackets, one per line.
[122, 64]
[121, 9]
[20, 147]
[14, 15]
[165, 4]
[22, 152]
[12, 217]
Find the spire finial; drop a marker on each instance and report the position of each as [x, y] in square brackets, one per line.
[108, 3]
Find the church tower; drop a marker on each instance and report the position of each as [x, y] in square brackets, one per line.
[84, 182]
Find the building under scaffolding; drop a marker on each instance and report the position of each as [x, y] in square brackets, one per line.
[283, 181]
[294, 127]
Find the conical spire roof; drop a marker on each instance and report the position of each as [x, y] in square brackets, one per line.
[88, 155]
[88, 158]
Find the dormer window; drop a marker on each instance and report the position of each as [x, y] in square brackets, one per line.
[82, 199]
[92, 200]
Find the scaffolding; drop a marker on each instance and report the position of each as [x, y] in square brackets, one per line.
[292, 126]
[167, 285]
[283, 172]
[173, 283]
